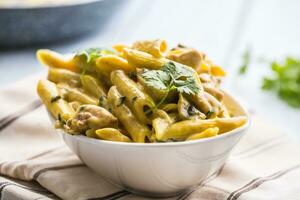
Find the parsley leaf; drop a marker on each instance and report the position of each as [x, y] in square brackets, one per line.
[285, 81]
[93, 53]
[172, 76]
[246, 61]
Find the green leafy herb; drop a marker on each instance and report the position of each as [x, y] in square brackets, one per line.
[134, 99]
[93, 53]
[246, 61]
[102, 101]
[192, 110]
[121, 100]
[285, 81]
[60, 119]
[133, 76]
[53, 99]
[210, 113]
[172, 76]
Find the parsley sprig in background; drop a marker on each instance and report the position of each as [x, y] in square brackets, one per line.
[284, 81]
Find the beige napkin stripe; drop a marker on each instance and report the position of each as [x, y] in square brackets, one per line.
[268, 145]
[45, 152]
[6, 121]
[202, 184]
[259, 145]
[41, 171]
[6, 183]
[113, 196]
[258, 181]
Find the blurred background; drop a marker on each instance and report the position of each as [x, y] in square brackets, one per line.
[233, 33]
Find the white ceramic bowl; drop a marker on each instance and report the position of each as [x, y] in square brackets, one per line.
[158, 169]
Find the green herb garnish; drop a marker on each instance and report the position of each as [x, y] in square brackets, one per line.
[53, 99]
[134, 99]
[285, 81]
[172, 76]
[60, 119]
[210, 113]
[246, 61]
[102, 101]
[121, 100]
[91, 54]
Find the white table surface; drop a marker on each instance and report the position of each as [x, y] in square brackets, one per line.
[222, 29]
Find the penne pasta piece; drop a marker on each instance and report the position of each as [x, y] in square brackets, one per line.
[91, 133]
[224, 113]
[158, 113]
[51, 97]
[210, 132]
[137, 130]
[170, 107]
[93, 86]
[56, 60]
[216, 105]
[156, 48]
[112, 134]
[143, 60]
[138, 101]
[218, 94]
[184, 129]
[217, 71]
[120, 47]
[64, 76]
[109, 63]
[200, 101]
[76, 94]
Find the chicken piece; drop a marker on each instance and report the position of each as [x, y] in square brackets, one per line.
[187, 56]
[90, 117]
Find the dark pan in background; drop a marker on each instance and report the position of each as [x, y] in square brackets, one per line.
[27, 26]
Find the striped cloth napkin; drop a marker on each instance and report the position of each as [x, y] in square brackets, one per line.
[36, 164]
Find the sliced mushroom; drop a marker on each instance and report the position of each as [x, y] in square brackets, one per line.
[188, 111]
[186, 56]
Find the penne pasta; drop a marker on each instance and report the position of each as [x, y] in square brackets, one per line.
[138, 93]
[156, 48]
[75, 94]
[109, 63]
[137, 130]
[51, 97]
[210, 132]
[93, 86]
[142, 59]
[64, 76]
[184, 129]
[137, 100]
[111, 134]
[56, 60]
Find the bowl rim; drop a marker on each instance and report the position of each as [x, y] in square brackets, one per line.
[231, 133]
[49, 6]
